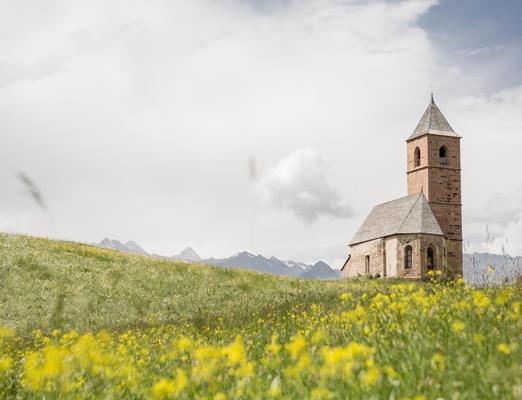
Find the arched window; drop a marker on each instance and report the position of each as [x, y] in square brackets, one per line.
[408, 257]
[417, 157]
[430, 258]
[443, 160]
[367, 265]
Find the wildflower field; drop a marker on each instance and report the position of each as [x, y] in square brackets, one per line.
[81, 322]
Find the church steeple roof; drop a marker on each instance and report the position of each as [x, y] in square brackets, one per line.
[433, 122]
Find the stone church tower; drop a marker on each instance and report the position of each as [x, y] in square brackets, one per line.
[434, 169]
[421, 232]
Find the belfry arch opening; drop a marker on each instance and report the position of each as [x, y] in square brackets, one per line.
[417, 157]
[443, 158]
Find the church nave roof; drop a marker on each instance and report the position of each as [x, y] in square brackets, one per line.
[406, 215]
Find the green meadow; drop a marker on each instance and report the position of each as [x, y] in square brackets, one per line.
[77, 321]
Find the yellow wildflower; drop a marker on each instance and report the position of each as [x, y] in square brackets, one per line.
[273, 347]
[234, 352]
[163, 388]
[6, 332]
[478, 338]
[393, 376]
[319, 336]
[5, 362]
[502, 298]
[299, 367]
[180, 382]
[504, 349]
[245, 370]
[319, 393]
[370, 376]
[296, 346]
[346, 297]
[457, 327]
[183, 344]
[438, 362]
[480, 300]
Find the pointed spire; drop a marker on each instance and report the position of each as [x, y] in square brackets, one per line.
[432, 121]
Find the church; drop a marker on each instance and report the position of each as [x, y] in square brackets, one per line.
[421, 232]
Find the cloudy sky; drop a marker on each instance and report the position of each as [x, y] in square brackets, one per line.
[270, 126]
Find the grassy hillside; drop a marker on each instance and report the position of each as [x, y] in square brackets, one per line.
[81, 322]
[51, 285]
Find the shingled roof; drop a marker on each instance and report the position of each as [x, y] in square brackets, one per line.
[432, 121]
[410, 214]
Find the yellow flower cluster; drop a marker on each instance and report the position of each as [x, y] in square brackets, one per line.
[387, 340]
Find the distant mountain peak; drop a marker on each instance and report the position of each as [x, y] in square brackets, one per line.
[129, 247]
[189, 254]
[321, 270]
[135, 247]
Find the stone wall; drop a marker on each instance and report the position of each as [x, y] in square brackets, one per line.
[391, 247]
[387, 256]
[449, 217]
[440, 181]
[455, 262]
[429, 146]
[356, 264]
[415, 243]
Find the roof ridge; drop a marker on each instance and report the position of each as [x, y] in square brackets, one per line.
[394, 200]
[409, 212]
[423, 221]
[432, 103]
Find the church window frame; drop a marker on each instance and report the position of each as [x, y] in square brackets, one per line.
[408, 257]
[416, 157]
[430, 258]
[367, 265]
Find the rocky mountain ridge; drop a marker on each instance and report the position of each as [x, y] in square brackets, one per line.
[244, 259]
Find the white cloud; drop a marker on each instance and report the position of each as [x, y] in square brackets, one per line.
[299, 183]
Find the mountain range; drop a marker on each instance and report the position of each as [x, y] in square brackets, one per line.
[479, 268]
[244, 259]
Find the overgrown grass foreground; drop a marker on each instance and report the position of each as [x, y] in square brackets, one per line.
[81, 322]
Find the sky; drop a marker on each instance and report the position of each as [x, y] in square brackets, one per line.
[267, 126]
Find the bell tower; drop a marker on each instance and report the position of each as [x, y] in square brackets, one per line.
[434, 169]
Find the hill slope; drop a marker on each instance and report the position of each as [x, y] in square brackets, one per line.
[227, 333]
[47, 284]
